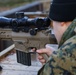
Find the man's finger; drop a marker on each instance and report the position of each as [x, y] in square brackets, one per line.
[42, 51]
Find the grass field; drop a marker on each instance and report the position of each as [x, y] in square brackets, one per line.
[8, 4]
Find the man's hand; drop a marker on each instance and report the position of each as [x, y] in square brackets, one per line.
[48, 51]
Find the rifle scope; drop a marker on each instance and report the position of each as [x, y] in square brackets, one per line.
[24, 23]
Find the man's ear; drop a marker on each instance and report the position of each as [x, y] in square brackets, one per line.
[63, 23]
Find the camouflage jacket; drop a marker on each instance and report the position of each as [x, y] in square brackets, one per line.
[63, 61]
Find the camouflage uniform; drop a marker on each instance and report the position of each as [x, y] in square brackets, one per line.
[63, 61]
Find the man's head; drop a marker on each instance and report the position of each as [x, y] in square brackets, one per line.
[62, 12]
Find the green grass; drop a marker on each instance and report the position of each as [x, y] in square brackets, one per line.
[12, 3]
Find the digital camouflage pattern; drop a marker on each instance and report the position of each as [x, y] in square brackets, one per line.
[63, 61]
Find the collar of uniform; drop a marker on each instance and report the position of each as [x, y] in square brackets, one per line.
[70, 32]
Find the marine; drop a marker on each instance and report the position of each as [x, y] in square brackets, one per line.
[62, 61]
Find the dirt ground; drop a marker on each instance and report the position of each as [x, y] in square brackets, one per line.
[4, 8]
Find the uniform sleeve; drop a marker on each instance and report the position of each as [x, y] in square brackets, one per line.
[64, 60]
